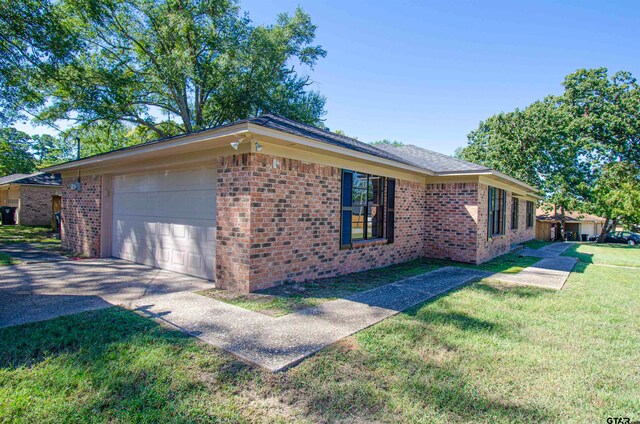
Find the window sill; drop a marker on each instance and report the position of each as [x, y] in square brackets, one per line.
[372, 242]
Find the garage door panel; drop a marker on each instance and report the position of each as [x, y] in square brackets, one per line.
[185, 204]
[168, 180]
[166, 219]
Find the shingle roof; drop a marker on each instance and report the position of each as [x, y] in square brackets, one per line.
[13, 177]
[39, 178]
[279, 123]
[570, 216]
[433, 161]
[412, 155]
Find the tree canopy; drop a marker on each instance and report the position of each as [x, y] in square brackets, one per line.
[580, 148]
[169, 66]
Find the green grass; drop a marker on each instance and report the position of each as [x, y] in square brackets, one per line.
[605, 254]
[291, 297]
[24, 234]
[6, 260]
[41, 237]
[485, 353]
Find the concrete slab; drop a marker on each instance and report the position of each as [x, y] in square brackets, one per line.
[549, 273]
[46, 290]
[549, 251]
[31, 253]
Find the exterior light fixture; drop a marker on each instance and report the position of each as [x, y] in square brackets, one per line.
[235, 144]
[258, 146]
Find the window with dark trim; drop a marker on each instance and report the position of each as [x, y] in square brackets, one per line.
[364, 214]
[497, 206]
[529, 214]
[515, 212]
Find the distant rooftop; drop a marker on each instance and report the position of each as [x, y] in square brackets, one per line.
[39, 178]
[570, 216]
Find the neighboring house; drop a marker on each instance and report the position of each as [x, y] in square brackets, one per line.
[576, 223]
[35, 196]
[266, 200]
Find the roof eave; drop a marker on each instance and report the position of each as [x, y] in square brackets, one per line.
[530, 190]
[309, 142]
[152, 147]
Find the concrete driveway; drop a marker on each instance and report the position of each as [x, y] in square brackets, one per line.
[40, 291]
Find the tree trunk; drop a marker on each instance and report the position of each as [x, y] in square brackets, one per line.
[563, 220]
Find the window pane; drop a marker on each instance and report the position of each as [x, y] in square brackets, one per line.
[375, 222]
[359, 197]
[377, 190]
[357, 223]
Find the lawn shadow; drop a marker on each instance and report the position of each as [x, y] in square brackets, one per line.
[496, 287]
[421, 371]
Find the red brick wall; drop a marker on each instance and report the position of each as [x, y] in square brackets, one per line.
[450, 221]
[233, 230]
[81, 215]
[295, 223]
[35, 205]
[522, 233]
[499, 245]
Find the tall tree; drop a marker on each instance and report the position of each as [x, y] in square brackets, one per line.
[535, 146]
[171, 66]
[15, 155]
[579, 148]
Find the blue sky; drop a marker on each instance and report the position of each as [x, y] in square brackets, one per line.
[427, 73]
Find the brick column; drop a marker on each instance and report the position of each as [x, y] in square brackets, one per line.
[81, 215]
[233, 222]
[452, 221]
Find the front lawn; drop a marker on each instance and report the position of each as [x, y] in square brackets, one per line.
[536, 244]
[605, 254]
[40, 237]
[24, 234]
[488, 352]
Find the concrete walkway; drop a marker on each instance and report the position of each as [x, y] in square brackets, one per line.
[46, 290]
[551, 272]
[276, 344]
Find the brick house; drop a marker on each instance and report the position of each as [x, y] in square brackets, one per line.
[36, 196]
[265, 200]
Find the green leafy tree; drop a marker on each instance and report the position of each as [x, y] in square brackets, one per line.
[617, 196]
[170, 66]
[15, 155]
[535, 146]
[579, 148]
[387, 142]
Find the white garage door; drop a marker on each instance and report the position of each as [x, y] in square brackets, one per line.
[167, 219]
